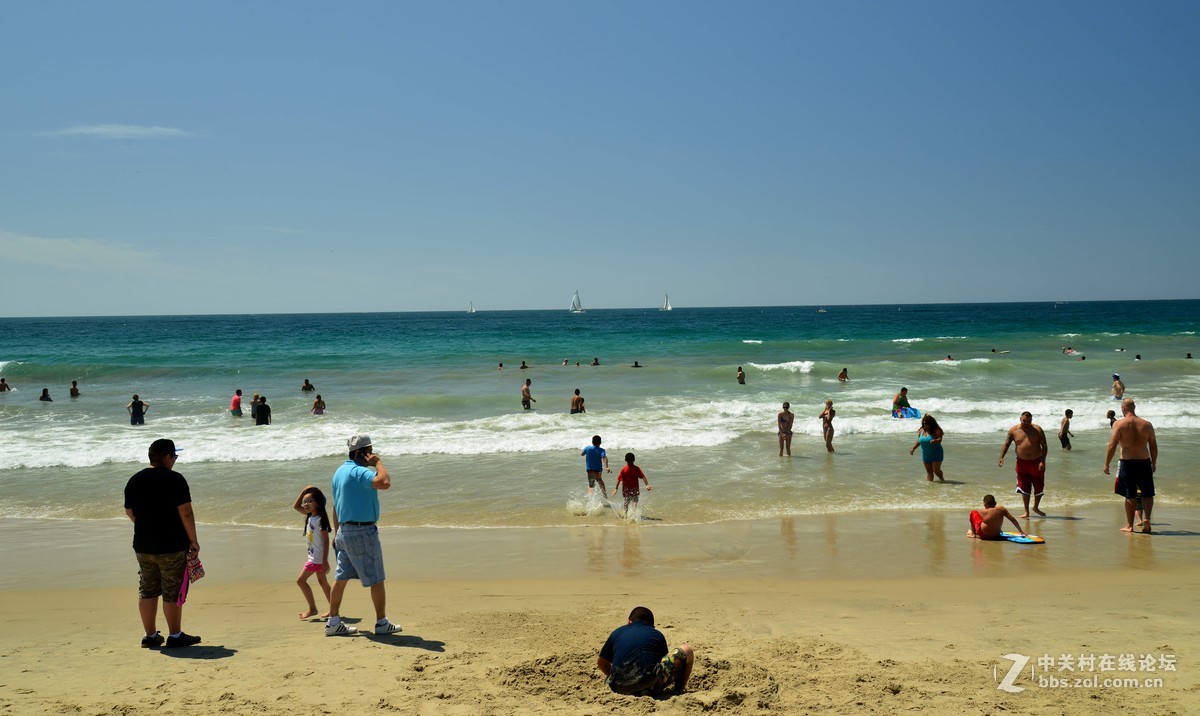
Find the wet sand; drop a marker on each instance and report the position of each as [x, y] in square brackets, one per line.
[873, 612]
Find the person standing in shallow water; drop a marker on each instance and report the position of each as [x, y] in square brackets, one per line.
[1139, 459]
[577, 403]
[263, 415]
[1032, 449]
[929, 439]
[741, 376]
[137, 410]
[526, 396]
[785, 419]
[826, 417]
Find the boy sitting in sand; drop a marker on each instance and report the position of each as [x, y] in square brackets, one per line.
[986, 523]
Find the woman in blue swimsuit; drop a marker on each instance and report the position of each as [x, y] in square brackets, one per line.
[929, 439]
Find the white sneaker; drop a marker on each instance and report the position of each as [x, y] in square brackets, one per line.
[388, 628]
[339, 629]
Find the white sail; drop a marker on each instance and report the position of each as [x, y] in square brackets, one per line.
[470, 306]
[576, 304]
[666, 303]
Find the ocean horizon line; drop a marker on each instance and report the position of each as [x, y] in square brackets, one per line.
[813, 306]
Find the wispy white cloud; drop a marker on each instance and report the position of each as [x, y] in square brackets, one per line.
[119, 131]
[73, 253]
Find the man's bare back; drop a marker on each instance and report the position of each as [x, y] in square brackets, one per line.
[992, 518]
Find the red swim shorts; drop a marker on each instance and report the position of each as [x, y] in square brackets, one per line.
[1029, 474]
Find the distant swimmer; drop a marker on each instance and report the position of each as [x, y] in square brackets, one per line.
[635, 365]
[844, 375]
[235, 404]
[74, 389]
[523, 366]
[1082, 357]
[318, 406]
[948, 357]
[565, 361]
[595, 361]
[577, 403]
[986, 523]
[900, 401]
[1139, 459]
[785, 419]
[1032, 449]
[1112, 417]
[254, 408]
[526, 398]
[929, 439]
[1064, 430]
[137, 411]
[1189, 357]
[307, 387]
[741, 376]
[826, 417]
[1138, 356]
[500, 367]
[45, 396]
[595, 459]
[263, 416]
[5, 387]
[1118, 388]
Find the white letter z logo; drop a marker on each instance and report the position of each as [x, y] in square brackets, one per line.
[1019, 661]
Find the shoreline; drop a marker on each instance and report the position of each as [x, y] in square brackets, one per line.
[891, 544]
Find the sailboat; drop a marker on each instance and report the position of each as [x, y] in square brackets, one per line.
[666, 303]
[470, 306]
[576, 305]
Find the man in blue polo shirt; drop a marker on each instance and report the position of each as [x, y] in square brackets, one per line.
[356, 537]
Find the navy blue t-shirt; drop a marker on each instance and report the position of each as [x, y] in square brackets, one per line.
[633, 650]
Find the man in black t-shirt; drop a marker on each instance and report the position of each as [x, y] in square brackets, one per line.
[262, 416]
[159, 503]
[636, 661]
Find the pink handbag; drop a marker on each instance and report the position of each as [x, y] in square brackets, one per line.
[192, 571]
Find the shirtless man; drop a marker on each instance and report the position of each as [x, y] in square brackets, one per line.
[844, 375]
[4, 386]
[785, 419]
[1139, 458]
[526, 398]
[577, 403]
[741, 376]
[986, 523]
[1118, 388]
[1031, 460]
[900, 401]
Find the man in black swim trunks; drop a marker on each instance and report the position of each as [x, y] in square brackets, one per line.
[1139, 457]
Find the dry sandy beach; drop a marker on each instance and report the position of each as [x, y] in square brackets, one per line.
[868, 613]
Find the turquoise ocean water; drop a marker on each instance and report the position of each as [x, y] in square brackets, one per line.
[450, 426]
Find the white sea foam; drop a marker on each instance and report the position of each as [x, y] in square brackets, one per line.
[908, 340]
[751, 340]
[796, 366]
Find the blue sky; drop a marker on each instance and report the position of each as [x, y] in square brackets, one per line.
[268, 157]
